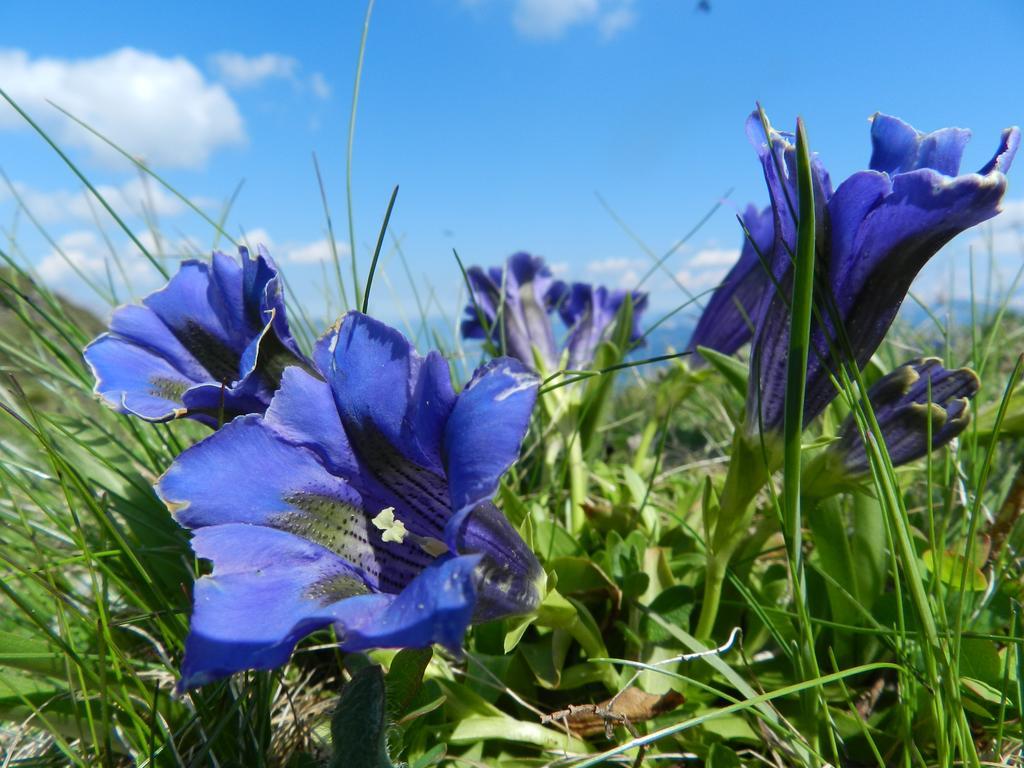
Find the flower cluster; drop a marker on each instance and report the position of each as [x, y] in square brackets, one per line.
[322, 503]
[511, 308]
[351, 485]
[875, 232]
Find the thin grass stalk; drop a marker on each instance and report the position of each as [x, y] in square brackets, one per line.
[81, 177]
[348, 152]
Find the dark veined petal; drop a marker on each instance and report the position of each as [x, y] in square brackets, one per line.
[195, 314]
[726, 323]
[515, 303]
[527, 285]
[265, 308]
[155, 352]
[215, 404]
[427, 453]
[483, 306]
[777, 153]
[385, 391]
[303, 412]
[900, 401]
[247, 473]
[590, 312]
[509, 578]
[270, 588]
[881, 231]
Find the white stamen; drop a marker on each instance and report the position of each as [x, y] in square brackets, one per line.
[394, 529]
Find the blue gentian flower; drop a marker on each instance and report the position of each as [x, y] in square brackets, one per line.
[589, 312]
[362, 501]
[874, 234]
[515, 302]
[900, 401]
[726, 323]
[210, 345]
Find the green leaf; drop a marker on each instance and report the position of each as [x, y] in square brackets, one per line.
[359, 725]
[637, 485]
[423, 709]
[580, 575]
[732, 370]
[30, 654]
[720, 756]
[476, 729]
[982, 690]
[674, 605]
[979, 659]
[516, 632]
[404, 679]
[430, 757]
[555, 611]
[950, 571]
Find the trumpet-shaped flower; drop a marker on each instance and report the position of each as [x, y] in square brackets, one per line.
[589, 312]
[874, 234]
[210, 345]
[510, 307]
[726, 323]
[917, 396]
[361, 501]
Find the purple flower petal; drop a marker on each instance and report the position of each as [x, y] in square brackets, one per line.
[879, 232]
[210, 345]
[515, 303]
[589, 312]
[486, 428]
[726, 323]
[271, 588]
[897, 147]
[900, 401]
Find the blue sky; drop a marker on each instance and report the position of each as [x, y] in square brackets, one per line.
[499, 119]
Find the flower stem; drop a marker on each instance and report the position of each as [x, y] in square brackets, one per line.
[747, 473]
[577, 483]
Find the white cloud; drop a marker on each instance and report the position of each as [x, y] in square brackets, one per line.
[549, 19]
[240, 72]
[715, 257]
[127, 199]
[610, 265]
[695, 282]
[615, 21]
[237, 70]
[319, 85]
[82, 251]
[291, 251]
[85, 251]
[315, 252]
[160, 109]
[629, 279]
